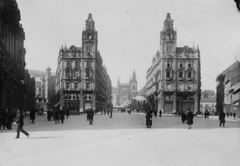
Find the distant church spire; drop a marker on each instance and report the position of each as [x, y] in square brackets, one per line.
[134, 79]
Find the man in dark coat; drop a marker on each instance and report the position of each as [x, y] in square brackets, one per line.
[222, 118]
[62, 115]
[67, 113]
[183, 115]
[149, 118]
[189, 119]
[20, 123]
[110, 113]
[237, 4]
[234, 114]
[32, 116]
[49, 115]
[88, 114]
[160, 113]
[91, 114]
[42, 111]
[56, 116]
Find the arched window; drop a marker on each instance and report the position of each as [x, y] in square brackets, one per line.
[168, 74]
[189, 74]
[88, 73]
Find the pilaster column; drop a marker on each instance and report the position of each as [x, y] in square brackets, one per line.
[196, 103]
[93, 101]
[174, 102]
[81, 101]
[162, 102]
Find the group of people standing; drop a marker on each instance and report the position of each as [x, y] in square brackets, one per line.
[6, 119]
[188, 118]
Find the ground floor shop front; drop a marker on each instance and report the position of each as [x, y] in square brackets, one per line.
[176, 102]
[79, 101]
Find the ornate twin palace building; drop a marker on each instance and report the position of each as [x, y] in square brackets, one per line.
[82, 82]
[174, 78]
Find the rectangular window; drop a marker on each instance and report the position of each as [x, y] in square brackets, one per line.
[76, 85]
[68, 74]
[168, 64]
[87, 85]
[76, 64]
[181, 65]
[68, 63]
[168, 86]
[189, 65]
[76, 74]
[180, 74]
[133, 86]
[67, 85]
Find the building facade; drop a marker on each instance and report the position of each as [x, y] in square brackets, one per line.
[29, 97]
[82, 81]
[228, 90]
[44, 88]
[126, 91]
[12, 57]
[174, 78]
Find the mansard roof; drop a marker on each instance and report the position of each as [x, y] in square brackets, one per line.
[185, 49]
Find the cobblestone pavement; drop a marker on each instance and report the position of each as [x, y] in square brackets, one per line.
[123, 140]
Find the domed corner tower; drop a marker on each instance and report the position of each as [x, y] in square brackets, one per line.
[133, 85]
[89, 38]
[168, 38]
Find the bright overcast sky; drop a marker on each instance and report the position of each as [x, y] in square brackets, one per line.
[128, 32]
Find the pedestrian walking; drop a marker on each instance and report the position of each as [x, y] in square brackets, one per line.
[67, 113]
[222, 119]
[189, 119]
[111, 112]
[20, 123]
[62, 115]
[234, 114]
[32, 115]
[149, 118]
[184, 117]
[49, 115]
[155, 113]
[91, 114]
[227, 114]
[88, 114]
[56, 116]
[160, 113]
